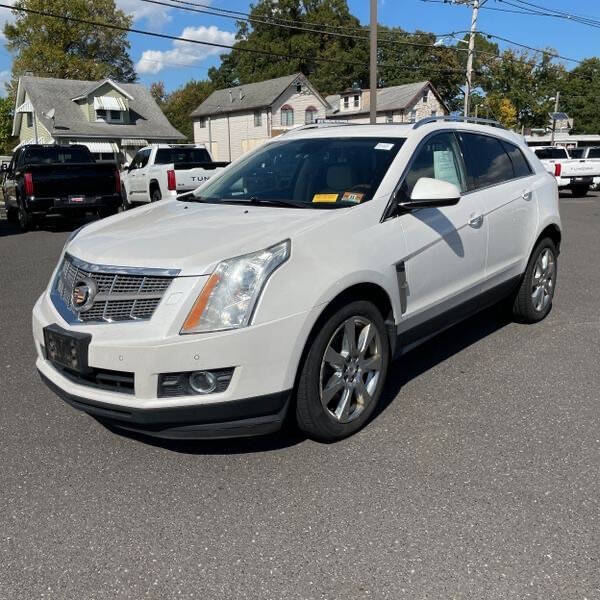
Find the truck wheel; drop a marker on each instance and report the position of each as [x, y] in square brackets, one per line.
[579, 191]
[11, 215]
[24, 219]
[534, 297]
[155, 195]
[343, 373]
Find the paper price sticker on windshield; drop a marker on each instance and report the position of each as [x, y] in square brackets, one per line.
[384, 146]
[325, 198]
[355, 197]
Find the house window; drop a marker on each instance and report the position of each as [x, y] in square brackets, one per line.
[425, 95]
[202, 122]
[299, 88]
[287, 115]
[258, 119]
[346, 102]
[29, 119]
[389, 118]
[356, 101]
[109, 116]
[310, 116]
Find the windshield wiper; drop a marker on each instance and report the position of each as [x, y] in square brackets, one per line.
[277, 202]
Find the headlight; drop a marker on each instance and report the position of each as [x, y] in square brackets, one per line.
[229, 296]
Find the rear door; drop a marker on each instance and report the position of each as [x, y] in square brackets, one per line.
[502, 180]
[444, 264]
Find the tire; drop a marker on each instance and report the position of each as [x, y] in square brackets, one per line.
[11, 214]
[155, 194]
[343, 410]
[24, 218]
[579, 191]
[533, 300]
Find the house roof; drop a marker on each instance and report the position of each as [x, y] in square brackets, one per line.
[248, 97]
[397, 97]
[48, 93]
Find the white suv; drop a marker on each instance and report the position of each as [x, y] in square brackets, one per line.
[289, 282]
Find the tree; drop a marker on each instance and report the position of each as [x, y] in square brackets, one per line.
[6, 120]
[158, 92]
[502, 110]
[349, 54]
[178, 105]
[51, 47]
[579, 93]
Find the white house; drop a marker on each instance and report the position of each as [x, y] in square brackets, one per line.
[233, 121]
[397, 104]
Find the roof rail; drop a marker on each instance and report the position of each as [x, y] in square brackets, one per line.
[319, 125]
[458, 119]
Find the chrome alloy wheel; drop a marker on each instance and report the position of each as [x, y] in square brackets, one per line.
[544, 276]
[350, 369]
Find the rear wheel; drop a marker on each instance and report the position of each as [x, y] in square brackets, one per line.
[579, 191]
[155, 195]
[24, 218]
[11, 214]
[534, 297]
[343, 374]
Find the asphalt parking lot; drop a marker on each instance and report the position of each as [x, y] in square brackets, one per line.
[479, 478]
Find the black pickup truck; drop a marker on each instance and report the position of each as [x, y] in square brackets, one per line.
[50, 179]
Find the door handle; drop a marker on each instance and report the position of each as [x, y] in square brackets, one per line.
[527, 196]
[475, 220]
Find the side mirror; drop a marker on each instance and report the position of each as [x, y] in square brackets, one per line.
[433, 192]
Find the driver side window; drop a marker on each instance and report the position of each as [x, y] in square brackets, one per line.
[135, 163]
[437, 158]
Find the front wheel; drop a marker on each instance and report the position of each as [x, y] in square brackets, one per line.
[534, 297]
[343, 373]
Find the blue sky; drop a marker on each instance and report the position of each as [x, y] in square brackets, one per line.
[175, 63]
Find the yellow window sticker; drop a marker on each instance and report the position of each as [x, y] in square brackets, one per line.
[355, 197]
[325, 197]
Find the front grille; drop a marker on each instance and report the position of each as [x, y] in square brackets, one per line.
[119, 295]
[104, 379]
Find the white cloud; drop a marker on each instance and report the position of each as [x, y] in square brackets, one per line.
[155, 15]
[185, 53]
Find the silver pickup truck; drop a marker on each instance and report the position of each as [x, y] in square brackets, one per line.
[575, 174]
[165, 170]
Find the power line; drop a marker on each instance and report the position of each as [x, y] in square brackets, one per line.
[205, 43]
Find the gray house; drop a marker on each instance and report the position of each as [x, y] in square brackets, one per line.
[105, 116]
[396, 104]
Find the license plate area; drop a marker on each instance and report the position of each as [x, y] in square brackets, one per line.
[76, 199]
[68, 349]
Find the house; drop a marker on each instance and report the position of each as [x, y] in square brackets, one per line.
[397, 104]
[105, 116]
[233, 121]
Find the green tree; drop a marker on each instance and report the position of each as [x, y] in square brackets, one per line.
[51, 47]
[239, 67]
[6, 120]
[579, 91]
[178, 105]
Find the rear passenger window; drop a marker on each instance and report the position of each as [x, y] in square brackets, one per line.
[519, 162]
[594, 153]
[486, 161]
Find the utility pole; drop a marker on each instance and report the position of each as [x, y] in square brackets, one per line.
[476, 5]
[556, 101]
[373, 63]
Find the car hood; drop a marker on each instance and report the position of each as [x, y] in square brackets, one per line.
[191, 237]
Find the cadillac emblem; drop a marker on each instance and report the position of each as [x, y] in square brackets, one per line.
[84, 292]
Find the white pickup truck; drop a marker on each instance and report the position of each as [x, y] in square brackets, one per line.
[575, 174]
[165, 170]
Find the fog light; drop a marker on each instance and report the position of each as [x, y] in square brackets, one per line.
[203, 382]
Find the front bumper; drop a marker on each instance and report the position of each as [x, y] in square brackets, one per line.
[264, 357]
[237, 418]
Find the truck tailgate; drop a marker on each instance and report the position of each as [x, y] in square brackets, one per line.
[189, 176]
[77, 179]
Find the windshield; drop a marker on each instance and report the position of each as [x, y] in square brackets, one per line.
[166, 156]
[548, 153]
[58, 154]
[315, 173]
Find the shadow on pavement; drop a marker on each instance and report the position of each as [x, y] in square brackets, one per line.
[49, 224]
